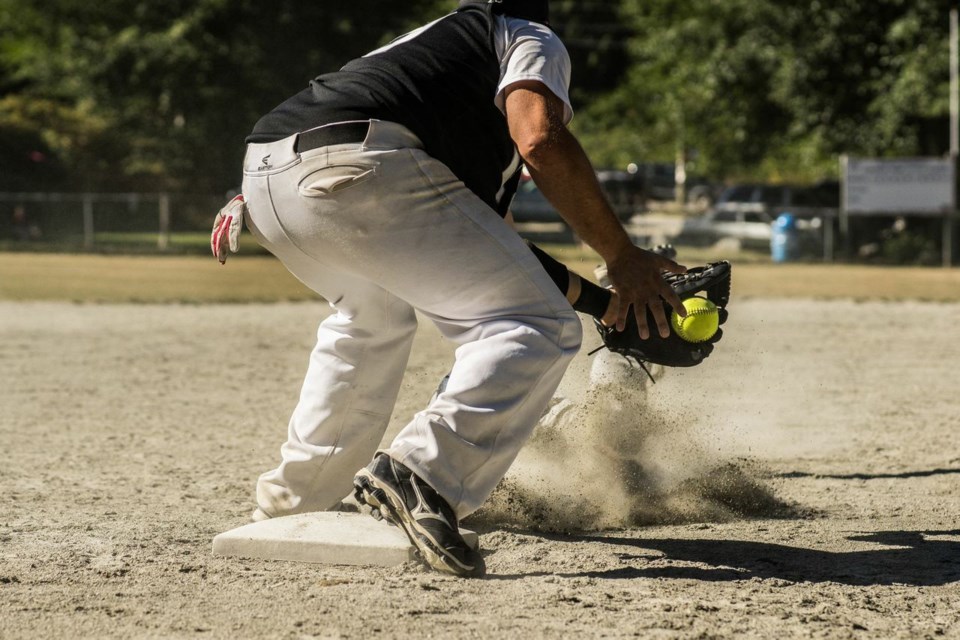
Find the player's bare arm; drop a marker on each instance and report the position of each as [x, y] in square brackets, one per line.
[561, 169]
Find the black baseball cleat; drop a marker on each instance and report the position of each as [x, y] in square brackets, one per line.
[402, 498]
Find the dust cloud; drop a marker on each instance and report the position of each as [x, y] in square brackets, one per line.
[604, 457]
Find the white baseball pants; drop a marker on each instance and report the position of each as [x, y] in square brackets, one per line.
[381, 229]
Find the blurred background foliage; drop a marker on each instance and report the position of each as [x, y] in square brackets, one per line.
[120, 95]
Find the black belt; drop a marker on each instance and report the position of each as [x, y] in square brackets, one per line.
[340, 133]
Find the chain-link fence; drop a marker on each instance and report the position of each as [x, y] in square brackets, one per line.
[97, 220]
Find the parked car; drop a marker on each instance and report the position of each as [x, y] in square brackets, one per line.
[658, 180]
[702, 194]
[803, 202]
[621, 188]
[745, 213]
[624, 191]
[530, 205]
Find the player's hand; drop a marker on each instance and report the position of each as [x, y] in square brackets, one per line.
[636, 275]
[226, 228]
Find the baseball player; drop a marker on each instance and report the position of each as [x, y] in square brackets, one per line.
[382, 187]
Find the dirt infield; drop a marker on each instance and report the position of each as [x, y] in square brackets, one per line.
[801, 483]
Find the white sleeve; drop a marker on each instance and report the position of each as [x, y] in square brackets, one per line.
[531, 51]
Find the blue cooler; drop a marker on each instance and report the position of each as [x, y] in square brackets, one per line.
[784, 239]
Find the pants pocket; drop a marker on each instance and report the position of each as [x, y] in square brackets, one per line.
[333, 178]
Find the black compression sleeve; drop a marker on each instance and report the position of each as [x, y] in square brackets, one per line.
[557, 272]
[593, 299]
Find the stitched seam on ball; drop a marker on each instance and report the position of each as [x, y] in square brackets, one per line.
[690, 314]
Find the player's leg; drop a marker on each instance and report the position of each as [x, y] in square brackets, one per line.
[345, 403]
[352, 379]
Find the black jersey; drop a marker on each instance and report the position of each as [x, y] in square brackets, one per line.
[440, 83]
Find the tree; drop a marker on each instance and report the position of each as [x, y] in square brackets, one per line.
[141, 95]
[700, 80]
[597, 38]
[774, 90]
[128, 94]
[869, 77]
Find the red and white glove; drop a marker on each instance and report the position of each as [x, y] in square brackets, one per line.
[226, 228]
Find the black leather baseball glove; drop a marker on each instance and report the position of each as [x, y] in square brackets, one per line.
[713, 281]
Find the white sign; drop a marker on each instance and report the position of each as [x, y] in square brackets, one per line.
[901, 186]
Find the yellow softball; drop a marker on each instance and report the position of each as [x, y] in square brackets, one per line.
[701, 322]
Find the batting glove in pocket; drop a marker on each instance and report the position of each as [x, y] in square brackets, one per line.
[226, 228]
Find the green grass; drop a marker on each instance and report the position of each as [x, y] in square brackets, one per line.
[261, 278]
[116, 278]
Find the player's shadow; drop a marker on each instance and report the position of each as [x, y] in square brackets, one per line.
[919, 559]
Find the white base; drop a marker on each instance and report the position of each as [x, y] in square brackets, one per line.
[325, 537]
